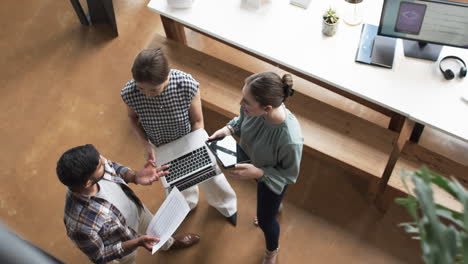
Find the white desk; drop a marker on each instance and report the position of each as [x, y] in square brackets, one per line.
[291, 37]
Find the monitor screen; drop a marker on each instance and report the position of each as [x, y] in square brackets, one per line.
[438, 22]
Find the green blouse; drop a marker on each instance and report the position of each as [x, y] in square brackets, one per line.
[276, 149]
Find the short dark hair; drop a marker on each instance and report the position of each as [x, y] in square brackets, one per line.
[269, 89]
[77, 164]
[150, 66]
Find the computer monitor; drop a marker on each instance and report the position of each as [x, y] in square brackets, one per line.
[425, 25]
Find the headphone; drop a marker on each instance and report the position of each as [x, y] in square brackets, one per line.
[448, 73]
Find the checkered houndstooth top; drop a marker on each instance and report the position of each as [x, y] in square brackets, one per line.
[164, 117]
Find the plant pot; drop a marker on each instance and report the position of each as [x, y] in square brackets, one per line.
[329, 29]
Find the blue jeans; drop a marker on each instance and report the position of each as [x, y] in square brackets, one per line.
[268, 204]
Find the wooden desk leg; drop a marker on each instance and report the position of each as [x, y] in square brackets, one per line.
[174, 30]
[417, 132]
[380, 200]
[396, 122]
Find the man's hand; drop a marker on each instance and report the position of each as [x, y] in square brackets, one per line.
[244, 172]
[149, 154]
[148, 175]
[142, 241]
[147, 242]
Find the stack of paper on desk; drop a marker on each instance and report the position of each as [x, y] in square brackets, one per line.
[168, 218]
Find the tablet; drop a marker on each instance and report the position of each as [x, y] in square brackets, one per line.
[227, 151]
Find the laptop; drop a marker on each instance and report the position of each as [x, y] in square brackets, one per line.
[191, 161]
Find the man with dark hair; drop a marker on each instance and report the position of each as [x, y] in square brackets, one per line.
[164, 105]
[103, 216]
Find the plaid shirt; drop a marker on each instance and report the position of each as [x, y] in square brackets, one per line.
[96, 226]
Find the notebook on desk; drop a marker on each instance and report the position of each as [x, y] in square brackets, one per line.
[374, 49]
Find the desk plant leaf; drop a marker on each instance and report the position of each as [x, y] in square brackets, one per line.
[443, 233]
[330, 16]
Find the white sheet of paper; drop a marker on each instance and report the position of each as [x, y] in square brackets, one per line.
[168, 218]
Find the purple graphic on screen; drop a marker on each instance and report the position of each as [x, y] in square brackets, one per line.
[410, 18]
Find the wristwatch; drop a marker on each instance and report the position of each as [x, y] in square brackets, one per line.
[132, 174]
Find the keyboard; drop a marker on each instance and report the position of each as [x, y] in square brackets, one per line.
[195, 179]
[187, 163]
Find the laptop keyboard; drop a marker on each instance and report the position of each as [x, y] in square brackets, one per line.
[199, 177]
[187, 163]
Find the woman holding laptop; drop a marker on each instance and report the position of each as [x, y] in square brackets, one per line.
[164, 105]
[271, 136]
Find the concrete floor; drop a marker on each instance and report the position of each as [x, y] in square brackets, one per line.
[60, 84]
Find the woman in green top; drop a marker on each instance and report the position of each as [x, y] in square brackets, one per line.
[271, 136]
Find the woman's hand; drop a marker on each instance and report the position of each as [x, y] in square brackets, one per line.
[220, 133]
[149, 154]
[148, 175]
[244, 172]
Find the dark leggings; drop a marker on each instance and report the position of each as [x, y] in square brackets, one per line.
[268, 204]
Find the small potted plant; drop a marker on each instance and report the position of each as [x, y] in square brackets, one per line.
[330, 22]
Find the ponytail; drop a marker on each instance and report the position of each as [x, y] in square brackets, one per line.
[287, 86]
[269, 88]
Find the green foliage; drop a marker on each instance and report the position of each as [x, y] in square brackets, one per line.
[330, 16]
[441, 231]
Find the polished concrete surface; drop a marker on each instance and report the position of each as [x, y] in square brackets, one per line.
[60, 84]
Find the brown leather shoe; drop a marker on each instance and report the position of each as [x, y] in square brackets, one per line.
[184, 240]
